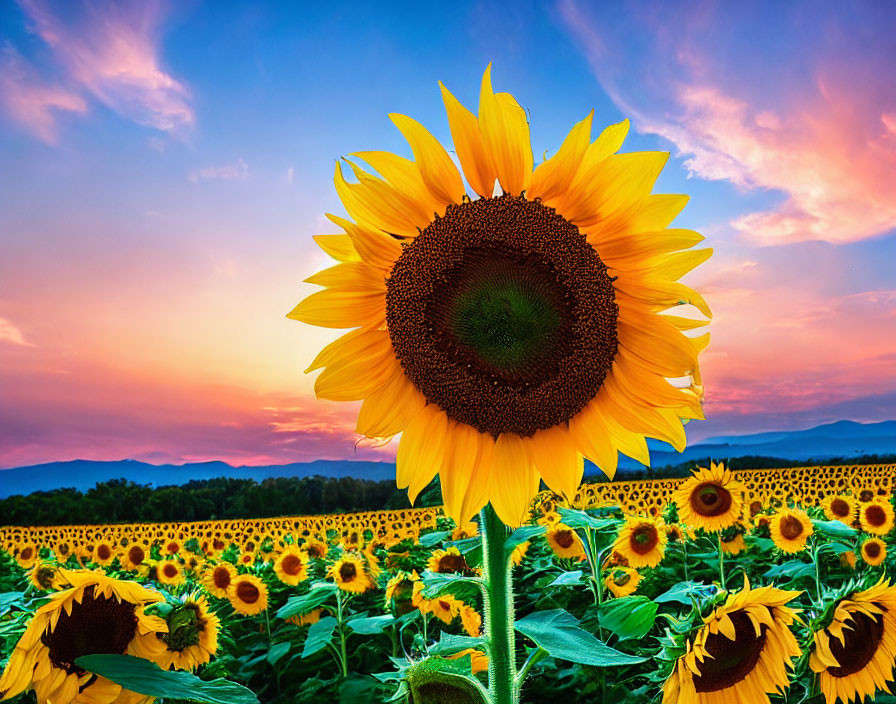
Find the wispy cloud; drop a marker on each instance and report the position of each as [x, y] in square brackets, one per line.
[32, 102]
[111, 52]
[237, 171]
[11, 334]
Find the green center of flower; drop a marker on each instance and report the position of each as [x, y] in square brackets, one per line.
[184, 627]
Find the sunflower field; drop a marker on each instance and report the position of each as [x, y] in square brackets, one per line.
[748, 586]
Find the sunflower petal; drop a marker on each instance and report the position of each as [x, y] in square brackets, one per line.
[553, 176]
[510, 484]
[471, 150]
[438, 171]
[557, 460]
[505, 131]
[457, 463]
[337, 308]
[421, 449]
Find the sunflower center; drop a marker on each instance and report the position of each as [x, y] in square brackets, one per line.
[709, 499]
[291, 565]
[348, 571]
[791, 527]
[859, 646]
[840, 508]
[872, 550]
[26, 554]
[247, 592]
[44, 576]
[875, 516]
[221, 577]
[96, 625]
[172, 548]
[564, 538]
[503, 315]
[731, 661]
[644, 539]
[452, 563]
[169, 570]
[136, 554]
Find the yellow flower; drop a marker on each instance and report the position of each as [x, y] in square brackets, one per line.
[855, 654]
[876, 516]
[350, 574]
[291, 566]
[712, 499]
[471, 620]
[642, 542]
[874, 551]
[103, 553]
[840, 508]
[742, 653]
[169, 572]
[218, 579]
[622, 581]
[45, 576]
[449, 560]
[790, 529]
[564, 541]
[316, 549]
[96, 615]
[733, 544]
[27, 556]
[444, 607]
[248, 594]
[191, 640]
[134, 556]
[479, 660]
[307, 619]
[519, 552]
[508, 336]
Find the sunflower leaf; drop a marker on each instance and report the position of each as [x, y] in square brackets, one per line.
[434, 583]
[277, 652]
[628, 617]
[300, 605]
[834, 529]
[579, 519]
[147, 678]
[450, 643]
[434, 538]
[558, 633]
[371, 625]
[685, 592]
[794, 569]
[520, 536]
[319, 635]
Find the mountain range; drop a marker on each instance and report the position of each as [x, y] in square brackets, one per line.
[840, 439]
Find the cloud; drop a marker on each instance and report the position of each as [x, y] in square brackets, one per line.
[237, 171]
[824, 140]
[111, 52]
[11, 334]
[291, 173]
[32, 102]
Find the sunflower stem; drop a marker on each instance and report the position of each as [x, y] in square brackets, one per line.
[344, 652]
[819, 602]
[722, 564]
[498, 610]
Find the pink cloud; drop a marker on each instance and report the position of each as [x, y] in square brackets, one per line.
[9, 333]
[112, 53]
[32, 102]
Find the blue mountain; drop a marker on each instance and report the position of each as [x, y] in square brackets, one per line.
[841, 439]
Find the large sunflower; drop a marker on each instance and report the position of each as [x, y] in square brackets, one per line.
[741, 654]
[96, 615]
[291, 566]
[711, 499]
[506, 337]
[855, 654]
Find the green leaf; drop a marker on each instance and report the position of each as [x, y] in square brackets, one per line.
[558, 633]
[520, 536]
[835, 529]
[466, 545]
[793, 569]
[12, 600]
[147, 678]
[579, 519]
[834, 548]
[370, 625]
[433, 538]
[449, 644]
[686, 592]
[565, 579]
[277, 651]
[434, 583]
[301, 605]
[628, 617]
[319, 635]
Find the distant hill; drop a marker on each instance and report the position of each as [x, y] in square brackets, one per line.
[841, 439]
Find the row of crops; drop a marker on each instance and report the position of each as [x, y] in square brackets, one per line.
[730, 587]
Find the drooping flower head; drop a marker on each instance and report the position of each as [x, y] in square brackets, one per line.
[508, 336]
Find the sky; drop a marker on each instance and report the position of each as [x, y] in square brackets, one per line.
[165, 166]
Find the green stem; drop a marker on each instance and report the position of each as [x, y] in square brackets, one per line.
[498, 609]
[684, 550]
[595, 568]
[342, 648]
[267, 619]
[534, 657]
[722, 563]
[817, 573]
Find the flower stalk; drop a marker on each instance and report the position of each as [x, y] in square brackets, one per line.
[498, 609]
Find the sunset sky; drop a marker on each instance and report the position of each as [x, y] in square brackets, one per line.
[165, 165]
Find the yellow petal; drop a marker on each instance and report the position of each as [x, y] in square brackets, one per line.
[339, 247]
[660, 295]
[375, 202]
[470, 147]
[511, 480]
[557, 460]
[387, 411]
[351, 276]
[552, 177]
[421, 449]
[457, 468]
[403, 175]
[591, 434]
[375, 247]
[337, 308]
[630, 249]
[438, 171]
[359, 377]
[608, 143]
[505, 131]
[476, 496]
[668, 267]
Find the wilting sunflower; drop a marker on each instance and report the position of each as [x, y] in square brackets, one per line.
[506, 337]
[248, 594]
[790, 529]
[874, 551]
[350, 574]
[565, 542]
[217, 579]
[96, 615]
[840, 508]
[622, 581]
[642, 541]
[46, 576]
[855, 654]
[291, 566]
[471, 620]
[316, 549]
[191, 640]
[712, 499]
[444, 607]
[742, 653]
[876, 516]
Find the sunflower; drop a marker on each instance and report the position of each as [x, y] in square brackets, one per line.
[291, 566]
[449, 560]
[855, 654]
[217, 579]
[27, 555]
[169, 572]
[519, 552]
[471, 620]
[133, 557]
[103, 553]
[400, 589]
[350, 574]
[307, 619]
[171, 548]
[316, 549]
[712, 499]
[874, 551]
[742, 652]
[840, 508]
[248, 594]
[46, 576]
[96, 615]
[444, 607]
[642, 541]
[565, 542]
[192, 636]
[876, 517]
[733, 543]
[506, 337]
[622, 581]
[478, 659]
[790, 528]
